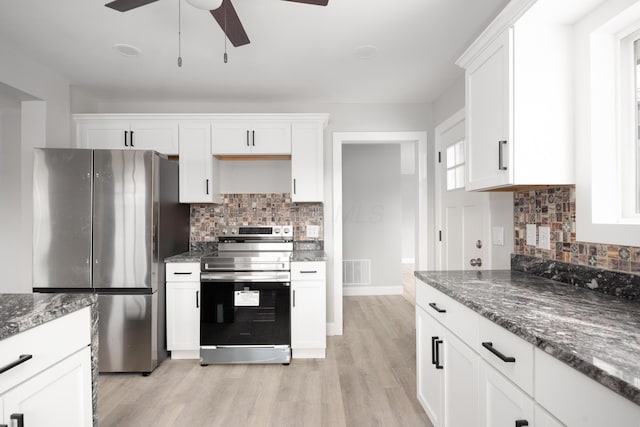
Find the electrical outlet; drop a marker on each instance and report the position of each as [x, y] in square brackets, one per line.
[497, 236]
[544, 238]
[313, 231]
[531, 234]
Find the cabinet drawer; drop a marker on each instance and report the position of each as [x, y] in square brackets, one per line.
[460, 320]
[577, 400]
[312, 270]
[183, 272]
[48, 344]
[511, 346]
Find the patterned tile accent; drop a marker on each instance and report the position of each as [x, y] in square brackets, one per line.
[556, 208]
[208, 221]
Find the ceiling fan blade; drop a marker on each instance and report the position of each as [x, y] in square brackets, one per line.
[124, 5]
[233, 27]
[316, 2]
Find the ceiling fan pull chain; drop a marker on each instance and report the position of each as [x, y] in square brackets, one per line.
[179, 36]
[225, 32]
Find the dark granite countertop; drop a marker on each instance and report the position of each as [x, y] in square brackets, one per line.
[597, 334]
[296, 256]
[189, 256]
[19, 312]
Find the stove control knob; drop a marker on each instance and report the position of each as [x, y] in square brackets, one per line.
[286, 231]
[234, 231]
[277, 230]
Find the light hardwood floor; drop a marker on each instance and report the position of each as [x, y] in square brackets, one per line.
[367, 379]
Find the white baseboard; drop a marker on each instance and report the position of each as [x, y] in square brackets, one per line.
[334, 329]
[353, 290]
[185, 354]
[308, 353]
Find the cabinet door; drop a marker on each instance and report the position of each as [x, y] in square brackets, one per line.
[230, 138]
[183, 316]
[198, 179]
[460, 367]
[158, 135]
[307, 162]
[58, 396]
[545, 419]
[430, 380]
[104, 134]
[502, 403]
[489, 104]
[271, 138]
[308, 316]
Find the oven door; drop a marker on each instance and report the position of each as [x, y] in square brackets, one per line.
[245, 309]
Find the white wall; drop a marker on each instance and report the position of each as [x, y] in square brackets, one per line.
[10, 199]
[409, 189]
[372, 210]
[44, 120]
[239, 176]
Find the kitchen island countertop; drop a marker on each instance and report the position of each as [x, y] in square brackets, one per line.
[597, 334]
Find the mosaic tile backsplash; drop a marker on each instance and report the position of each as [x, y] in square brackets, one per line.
[208, 221]
[555, 208]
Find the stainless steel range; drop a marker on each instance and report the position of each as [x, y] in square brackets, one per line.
[245, 312]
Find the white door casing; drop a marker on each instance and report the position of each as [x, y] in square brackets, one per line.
[462, 217]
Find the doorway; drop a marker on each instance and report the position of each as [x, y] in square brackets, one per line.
[418, 140]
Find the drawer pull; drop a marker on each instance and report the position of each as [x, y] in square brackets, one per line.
[508, 359]
[436, 308]
[21, 359]
[183, 273]
[308, 271]
[19, 418]
[433, 350]
[522, 423]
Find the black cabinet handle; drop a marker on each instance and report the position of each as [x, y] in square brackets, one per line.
[207, 186]
[437, 343]
[131, 139]
[294, 297]
[522, 423]
[294, 186]
[433, 350]
[197, 299]
[19, 418]
[501, 165]
[21, 359]
[308, 271]
[187, 273]
[247, 138]
[436, 308]
[126, 132]
[508, 359]
[253, 137]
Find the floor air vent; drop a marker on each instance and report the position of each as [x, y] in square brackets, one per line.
[356, 272]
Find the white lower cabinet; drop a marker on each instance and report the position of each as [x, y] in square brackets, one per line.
[545, 419]
[60, 395]
[52, 385]
[183, 310]
[308, 310]
[502, 403]
[430, 379]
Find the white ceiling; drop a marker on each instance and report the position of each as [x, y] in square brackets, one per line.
[298, 52]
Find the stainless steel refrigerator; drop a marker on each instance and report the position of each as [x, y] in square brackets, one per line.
[104, 220]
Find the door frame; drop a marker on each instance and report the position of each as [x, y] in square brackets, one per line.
[422, 215]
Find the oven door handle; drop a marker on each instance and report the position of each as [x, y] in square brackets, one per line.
[248, 277]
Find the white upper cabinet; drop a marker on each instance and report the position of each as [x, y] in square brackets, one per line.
[118, 132]
[307, 163]
[199, 172]
[519, 108]
[241, 138]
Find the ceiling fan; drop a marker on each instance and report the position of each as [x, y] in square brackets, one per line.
[232, 27]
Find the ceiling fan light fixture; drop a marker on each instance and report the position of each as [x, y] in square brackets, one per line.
[205, 4]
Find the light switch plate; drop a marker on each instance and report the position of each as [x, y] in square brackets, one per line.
[544, 239]
[531, 235]
[497, 236]
[313, 231]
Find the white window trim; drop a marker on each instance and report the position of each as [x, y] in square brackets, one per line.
[598, 128]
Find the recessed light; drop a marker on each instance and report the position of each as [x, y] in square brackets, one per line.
[127, 50]
[366, 52]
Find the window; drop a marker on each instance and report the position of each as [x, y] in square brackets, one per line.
[455, 166]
